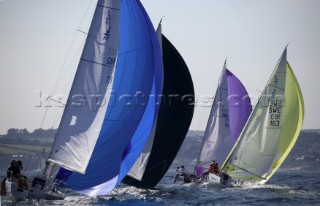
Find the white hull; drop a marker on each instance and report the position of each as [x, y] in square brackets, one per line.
[221, 179]
[34, 193]
[214, 179]
[14, 193]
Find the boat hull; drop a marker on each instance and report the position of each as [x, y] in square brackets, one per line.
[15, 194]
[34, 193]
[221, 179]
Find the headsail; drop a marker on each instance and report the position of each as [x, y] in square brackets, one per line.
[138, 62]
[89, 96]
[271, 130]
[230, 111]
[172, 124]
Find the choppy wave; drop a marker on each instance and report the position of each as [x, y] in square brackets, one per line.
[284, 188]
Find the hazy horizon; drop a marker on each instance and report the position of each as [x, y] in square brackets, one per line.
[41, 38]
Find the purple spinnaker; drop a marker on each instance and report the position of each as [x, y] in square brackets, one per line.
[239, 105]
[229, 113]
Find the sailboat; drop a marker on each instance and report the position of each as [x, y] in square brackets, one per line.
[169, 129]
[271, 130]
[92, 138]
[230, 110]
[138, 77]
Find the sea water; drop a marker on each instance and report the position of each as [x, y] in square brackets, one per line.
[297, 182]
[286, 187]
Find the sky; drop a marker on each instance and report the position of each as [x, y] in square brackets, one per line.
[40, 43]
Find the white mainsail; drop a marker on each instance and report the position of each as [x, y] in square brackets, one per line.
[217, 142]
[83, 116]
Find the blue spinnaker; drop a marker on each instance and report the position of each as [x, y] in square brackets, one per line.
[138, 74]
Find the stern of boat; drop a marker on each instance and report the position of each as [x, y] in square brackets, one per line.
[14, 193]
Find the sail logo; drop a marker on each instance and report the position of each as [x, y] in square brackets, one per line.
[225, 116]
[275, 80]
[108, 26]
[111, 61]
[109, 80]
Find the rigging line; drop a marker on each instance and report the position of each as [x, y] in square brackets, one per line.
[37, 136]
[197, 132]
[74, 57]
[82, 31]
[247, 171]
[45, 113]
[107, 7]
[55, 119]
[154, 166]
[72, 62]
[72, 43]
[271, 85]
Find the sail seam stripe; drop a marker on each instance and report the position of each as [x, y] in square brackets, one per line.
[82, 31]
[217, 116]
[109, 7]
[97, 63]
[276, 87]
[248, 171]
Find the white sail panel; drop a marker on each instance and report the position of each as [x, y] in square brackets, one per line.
[89, 95]
[253, 154]
[159, 34]
[140, 165]
[217, 143]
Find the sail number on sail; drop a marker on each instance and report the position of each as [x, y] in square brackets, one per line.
[275, 107]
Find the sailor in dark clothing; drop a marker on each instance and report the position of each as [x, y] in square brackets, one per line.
[182, 172]
[13, 170]
[14, 174]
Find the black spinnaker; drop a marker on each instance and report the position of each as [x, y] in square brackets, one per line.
[174, 118]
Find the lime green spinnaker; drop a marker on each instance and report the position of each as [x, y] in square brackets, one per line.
[292, 119]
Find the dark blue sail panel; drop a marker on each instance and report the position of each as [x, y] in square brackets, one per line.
[144, 129]
[147, 122]
[138, 63]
